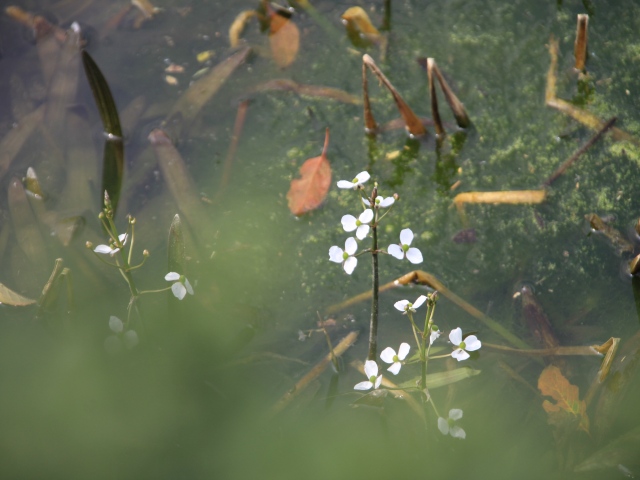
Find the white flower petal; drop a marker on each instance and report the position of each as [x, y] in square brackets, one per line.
[387, 355]
[455, 414]
[370, 368]
[188, 286]
[348, 223]
[456, 336]
[130, 339]
[366, 216]
[122, 238]
[401, 305]
[350, 245]
[103, 249]
[345, 184]
[350, 265]
[363, 386]
[406, 236]
[433, 337]
[395, 368]
[173, 276]
[178, 290]
[443, 426]
[362, 232]
[378, 382]
[419, 301]
[115, 324]
[460, 354]
[457, 432]
[387, 202]
[335, 254]
[414, 255]
[395, 251]
[472, 343]
[403, 351]
[363, 177]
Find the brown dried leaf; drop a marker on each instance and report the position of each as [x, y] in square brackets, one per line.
[309, 191]
[238, 26]
[567, 396]
[9, 297]
[284, 38]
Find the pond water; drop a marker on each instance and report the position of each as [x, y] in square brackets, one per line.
[195, 397]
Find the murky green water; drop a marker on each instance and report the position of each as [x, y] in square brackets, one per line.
[194, 398]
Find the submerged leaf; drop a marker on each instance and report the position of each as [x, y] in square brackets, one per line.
[238, 26]
[286, 84]
[113, 156]
[309, 191]
[284, 38]
[9, 297]
[567, 396]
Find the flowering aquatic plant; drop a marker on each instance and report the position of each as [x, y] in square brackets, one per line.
[371, 372]
[389, 355]
[470, 344]
[181, 285]
[366, 225]
[403, 250]
[447, 426]
[346, 256]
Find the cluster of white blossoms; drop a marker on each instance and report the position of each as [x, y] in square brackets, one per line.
[361, 225]
[388, 355]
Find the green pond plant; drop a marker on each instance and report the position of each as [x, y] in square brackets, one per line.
[120, 249]
[367, 224]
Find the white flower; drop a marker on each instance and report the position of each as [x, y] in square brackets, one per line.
[380, 202]
[349, 262]
[356, 182]
[371, 371]
[402, 250]
[388, 355]
[447, 426]
[351, 223]
[181, 285]
[435, 333]
[112, 249]
[406, 306]
[470, 344]
[115, 324]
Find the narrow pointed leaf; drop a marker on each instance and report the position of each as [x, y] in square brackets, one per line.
[177, 259]
[113, 156]
[413, 124]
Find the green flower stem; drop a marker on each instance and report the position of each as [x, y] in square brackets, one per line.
[426, 333]
[373, 325]
[141, 292]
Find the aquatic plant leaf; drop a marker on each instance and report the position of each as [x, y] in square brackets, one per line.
[284, 39]
[9, 297]
[13, 141]
[236, 28]
[622, 450]
[567, 396]
[200, 92]
[309, 191]
[357, 19]
[113, 155]
[441, 379]
[413, 124]
[25, 224]
[285, 84]
[177, 258]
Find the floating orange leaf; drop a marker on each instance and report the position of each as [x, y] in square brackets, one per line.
[567, 396]
[309, 191]
[284, 38]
